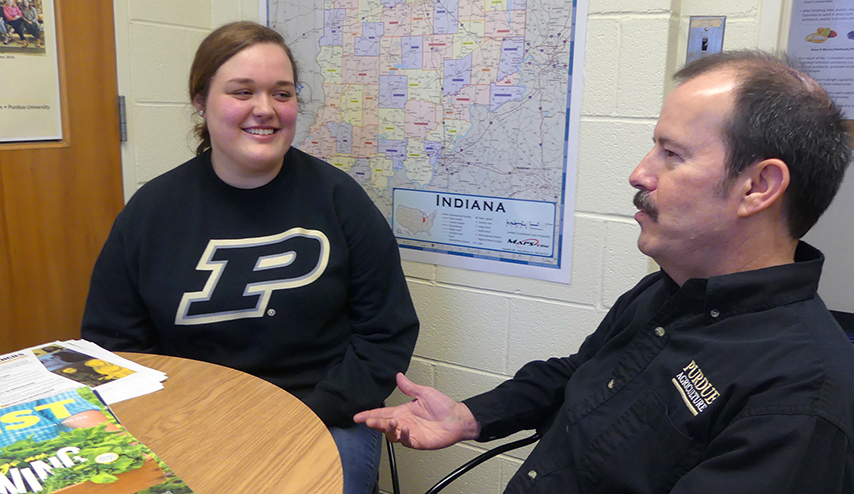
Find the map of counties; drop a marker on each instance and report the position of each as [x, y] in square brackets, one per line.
[439, 109]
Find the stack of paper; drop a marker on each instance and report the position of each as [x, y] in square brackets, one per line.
[53, 368]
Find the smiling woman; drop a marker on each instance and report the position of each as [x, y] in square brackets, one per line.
[257, 256]
[250, 112]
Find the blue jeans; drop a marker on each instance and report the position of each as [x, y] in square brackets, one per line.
[360, 449]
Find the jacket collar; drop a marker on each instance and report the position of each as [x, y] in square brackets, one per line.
[761, 289]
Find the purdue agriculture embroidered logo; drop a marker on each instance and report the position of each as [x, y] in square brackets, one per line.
[696, 390]
[245, 272]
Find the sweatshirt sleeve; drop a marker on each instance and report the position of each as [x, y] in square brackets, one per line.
[382, 317]
[115, 315]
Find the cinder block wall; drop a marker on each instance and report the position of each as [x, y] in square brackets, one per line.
[155, 44]
[477, 328]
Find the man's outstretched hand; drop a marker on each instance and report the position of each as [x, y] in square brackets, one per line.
[431, 420]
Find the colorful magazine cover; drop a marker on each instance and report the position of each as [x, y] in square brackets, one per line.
[70, 443]
[79, 367]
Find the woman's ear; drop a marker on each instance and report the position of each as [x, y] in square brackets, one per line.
[199, 103]
[767, 181]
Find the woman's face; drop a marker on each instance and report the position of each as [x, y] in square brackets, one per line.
[251, 113]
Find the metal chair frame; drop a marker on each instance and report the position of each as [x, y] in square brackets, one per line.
[392, 463]
[471, 464]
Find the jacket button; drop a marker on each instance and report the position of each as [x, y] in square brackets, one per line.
[611, 384]
[714, 313]
[532, 474]
[659, 331]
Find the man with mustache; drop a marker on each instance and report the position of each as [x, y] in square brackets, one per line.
[724, 371]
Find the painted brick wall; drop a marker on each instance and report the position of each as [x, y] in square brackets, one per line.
[477, 328]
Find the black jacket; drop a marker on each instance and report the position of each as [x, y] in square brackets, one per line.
[734, 384]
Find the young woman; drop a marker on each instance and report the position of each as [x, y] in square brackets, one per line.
[31, 18]
[257, 256]
[15, 19]
[4, 32]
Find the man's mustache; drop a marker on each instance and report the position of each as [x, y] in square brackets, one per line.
[643, 201]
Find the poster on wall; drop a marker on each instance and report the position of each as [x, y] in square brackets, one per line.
[821, 36]
[459, 118]
[29, 76]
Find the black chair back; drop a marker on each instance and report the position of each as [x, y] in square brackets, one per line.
[846, 320]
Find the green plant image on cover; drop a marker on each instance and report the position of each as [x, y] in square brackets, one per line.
[173, 485]
[122, 452]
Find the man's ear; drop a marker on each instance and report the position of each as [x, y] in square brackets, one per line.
[765, 183]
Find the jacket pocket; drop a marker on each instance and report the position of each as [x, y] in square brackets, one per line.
[641, 451]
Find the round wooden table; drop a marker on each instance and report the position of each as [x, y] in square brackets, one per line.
[222, 430]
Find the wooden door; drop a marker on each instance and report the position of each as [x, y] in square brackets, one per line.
[59, 198]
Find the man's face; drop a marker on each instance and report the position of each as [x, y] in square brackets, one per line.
[687, 222]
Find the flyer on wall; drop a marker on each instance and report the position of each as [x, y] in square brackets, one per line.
[29, 75]
[821, 36]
